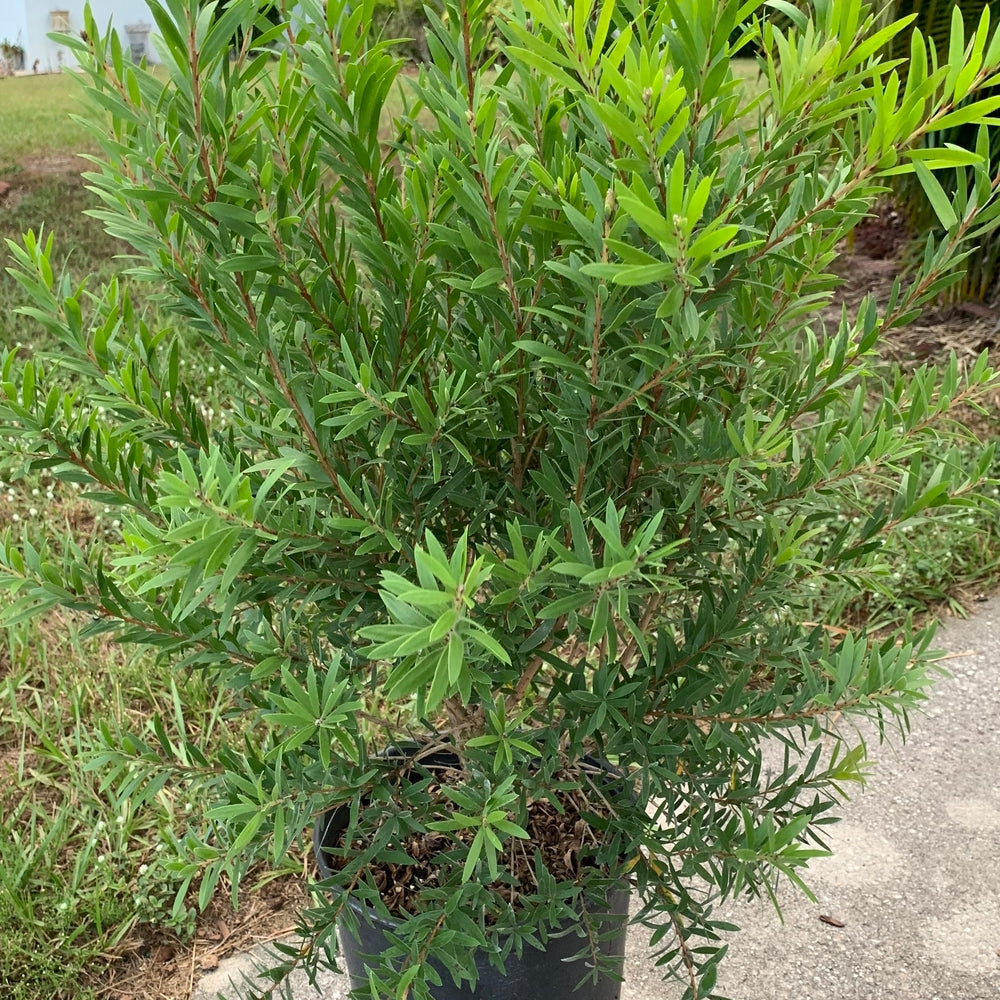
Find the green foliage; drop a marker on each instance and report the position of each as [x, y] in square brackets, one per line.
[84, 247]
[11, 57]
[942, 28]
[540, 442]
[39, 143]
[270, 16]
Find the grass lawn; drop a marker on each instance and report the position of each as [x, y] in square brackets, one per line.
[36, 122]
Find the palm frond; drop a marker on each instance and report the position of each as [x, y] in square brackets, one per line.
[933, 20]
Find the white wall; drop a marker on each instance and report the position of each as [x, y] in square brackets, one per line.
[50, 55]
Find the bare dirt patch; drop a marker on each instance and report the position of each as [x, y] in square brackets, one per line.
[871, 265]
[24, 179]
[154, 965]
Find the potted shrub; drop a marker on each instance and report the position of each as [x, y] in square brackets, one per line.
[544, 461]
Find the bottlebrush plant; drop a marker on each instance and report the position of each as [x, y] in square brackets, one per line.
[540, 446]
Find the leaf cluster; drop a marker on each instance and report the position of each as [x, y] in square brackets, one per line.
[939, 32]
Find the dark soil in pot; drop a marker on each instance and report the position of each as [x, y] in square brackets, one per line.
[543, 974]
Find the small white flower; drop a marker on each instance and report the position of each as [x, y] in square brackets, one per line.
[33, 511]
[143, 869]
[16, 517]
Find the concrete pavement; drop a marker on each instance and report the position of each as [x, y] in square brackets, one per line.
[914, 878]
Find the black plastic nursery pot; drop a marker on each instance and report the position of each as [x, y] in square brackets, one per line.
[534, 975]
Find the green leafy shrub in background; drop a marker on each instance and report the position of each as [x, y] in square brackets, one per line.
[11, 57]
[943, 26]
[545, 444]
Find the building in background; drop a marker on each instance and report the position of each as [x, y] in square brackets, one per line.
[25, 26]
